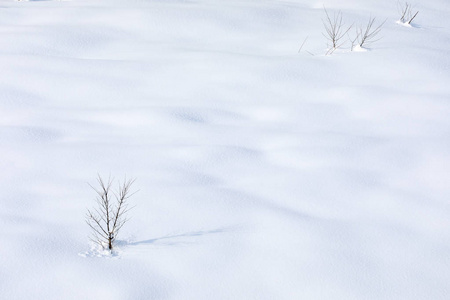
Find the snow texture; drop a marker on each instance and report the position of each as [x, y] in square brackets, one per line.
[264, 172]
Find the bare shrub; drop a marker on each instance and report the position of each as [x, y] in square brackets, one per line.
[368, 34]
[335, 31]
[109, 216]
[406, 13]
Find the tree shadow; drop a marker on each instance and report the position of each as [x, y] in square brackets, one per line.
[177, 239]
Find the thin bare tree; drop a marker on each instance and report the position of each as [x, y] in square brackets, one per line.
[406, 13]
[335, 31]
[367, 35]
[109, 216]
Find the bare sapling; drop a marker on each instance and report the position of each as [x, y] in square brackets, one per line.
[406, 13]
[366, 35]
[110, 215]
[335, 31]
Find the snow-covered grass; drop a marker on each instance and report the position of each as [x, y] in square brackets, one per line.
[263, 173]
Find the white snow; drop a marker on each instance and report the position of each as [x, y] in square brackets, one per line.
[264, 173]
[358, 48]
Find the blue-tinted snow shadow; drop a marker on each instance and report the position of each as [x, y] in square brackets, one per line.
[416, 26]
[178, 239]
[168, 240]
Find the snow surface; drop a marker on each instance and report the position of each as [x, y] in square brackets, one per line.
[264, 173]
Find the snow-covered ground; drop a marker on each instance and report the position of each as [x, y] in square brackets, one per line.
[264, 173]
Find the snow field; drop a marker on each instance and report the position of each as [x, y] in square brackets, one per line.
[263, 173]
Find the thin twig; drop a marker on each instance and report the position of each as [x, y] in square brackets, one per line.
[304, 41]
